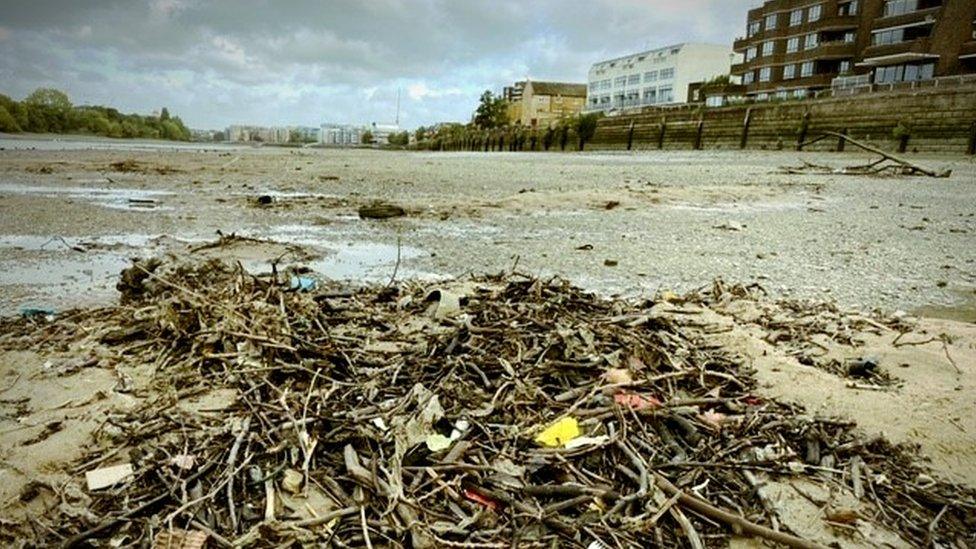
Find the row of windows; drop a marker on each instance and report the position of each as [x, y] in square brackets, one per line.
[632, 79]
[651, 95]
[814, 13]
[898, 7]
[903, 73]
[904, 34]
[798, 70]
[629, 63]
[809, 42]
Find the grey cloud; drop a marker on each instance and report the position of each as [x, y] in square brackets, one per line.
[303, 61]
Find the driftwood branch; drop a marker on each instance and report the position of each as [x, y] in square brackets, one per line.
[897, 165]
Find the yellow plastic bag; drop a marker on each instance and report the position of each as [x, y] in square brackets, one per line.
[559, 433]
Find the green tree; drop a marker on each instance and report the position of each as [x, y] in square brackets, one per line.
[164, 115]
[367, 137]
[585, 126]
[50, 98]
[420, 133]
[7, 121]
[491, 111]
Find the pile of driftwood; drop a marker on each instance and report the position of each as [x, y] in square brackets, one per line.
[887, 165]
[519, 412]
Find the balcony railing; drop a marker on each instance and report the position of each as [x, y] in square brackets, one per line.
[906, 18]
[968, 48]
[919, 45]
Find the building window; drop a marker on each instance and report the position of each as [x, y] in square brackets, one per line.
[844, 67]
[781, 94]
[667, 73]
[796, 17]
[650, 76]
[789, 72]
[806, 69]
[749, 77]
[762, 96]
[849, 37]
[800, 94]
[594, 86]
[620, 81]
[811, 41]
[633, 79]
[850, 8]
[903, 73]
[751, 53]
[665, 94]
[765, 74]
[753, 28]
[771, 21]
[813, 14]
[903, 34]
[793, 45]
[898, 7]
[768, 48]
[650, 96]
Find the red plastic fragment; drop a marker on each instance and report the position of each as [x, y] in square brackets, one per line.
[478, 498]
[637, 401]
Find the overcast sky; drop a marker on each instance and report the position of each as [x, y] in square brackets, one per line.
[309, 61]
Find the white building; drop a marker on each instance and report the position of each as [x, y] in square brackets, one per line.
[655, 77]
[381, 132]
[339, 135]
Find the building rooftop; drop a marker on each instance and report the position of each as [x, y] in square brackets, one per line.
[565, 89]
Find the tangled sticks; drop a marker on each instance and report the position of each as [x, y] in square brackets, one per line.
[371, 418]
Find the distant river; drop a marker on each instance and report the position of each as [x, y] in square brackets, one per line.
[82, 142]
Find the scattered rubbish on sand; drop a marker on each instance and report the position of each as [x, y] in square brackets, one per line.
[28, 311]
[176, 538]
[108, 476]
[730, 225]
[303, 283]
[381, 210]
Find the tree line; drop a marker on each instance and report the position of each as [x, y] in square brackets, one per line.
[48, 110]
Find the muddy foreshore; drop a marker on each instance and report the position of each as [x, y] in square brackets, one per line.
[663, 220]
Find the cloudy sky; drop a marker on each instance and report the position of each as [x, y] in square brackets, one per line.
[309, 61]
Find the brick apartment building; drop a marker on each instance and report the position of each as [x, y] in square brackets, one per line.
[794, 47]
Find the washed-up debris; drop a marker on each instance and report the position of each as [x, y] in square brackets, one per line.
[381, 210]
[143, 202]
[888, 164]
[30, 311]
[180, 539]
[303, 283]
[542, 414]
[730, 226]
[134, 166]
[108, 476]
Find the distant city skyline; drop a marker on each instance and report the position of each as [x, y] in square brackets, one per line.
[305, 62]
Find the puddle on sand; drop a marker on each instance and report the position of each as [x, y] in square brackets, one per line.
[963, 310]
[49, 271]
[115, 198]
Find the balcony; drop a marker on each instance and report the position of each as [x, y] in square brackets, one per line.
[761, 61]
[908, 50]
[968, 48]
[837, 49]
[742, 43]
[906, 18]
[822, 80]
[836, 23]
